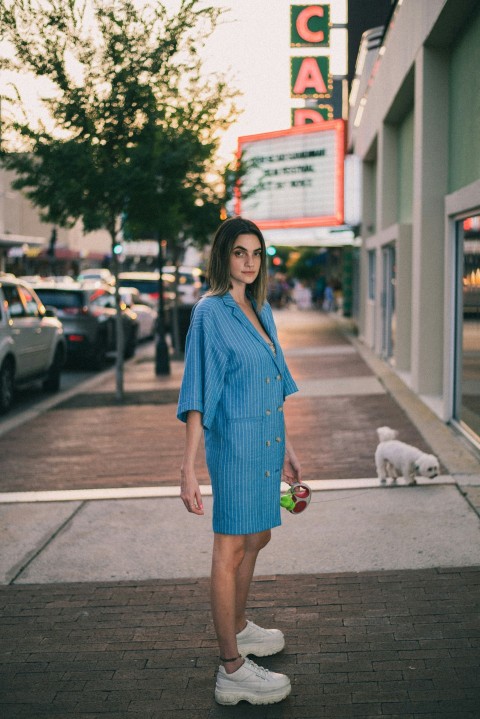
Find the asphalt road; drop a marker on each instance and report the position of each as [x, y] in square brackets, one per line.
[29, 396]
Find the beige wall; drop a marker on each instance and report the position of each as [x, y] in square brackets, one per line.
[411, 86]
[19, 217]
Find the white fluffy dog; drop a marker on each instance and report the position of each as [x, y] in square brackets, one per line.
[397, 459]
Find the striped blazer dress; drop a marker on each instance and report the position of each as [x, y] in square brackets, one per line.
[235, 380]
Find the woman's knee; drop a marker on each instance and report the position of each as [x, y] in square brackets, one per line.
[228, 551]
[256, 542]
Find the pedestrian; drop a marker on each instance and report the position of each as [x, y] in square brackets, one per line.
[328, 299]
[233, 389]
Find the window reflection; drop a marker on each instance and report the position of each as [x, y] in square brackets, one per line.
[468, 369]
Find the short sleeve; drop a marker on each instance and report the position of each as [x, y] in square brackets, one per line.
[289, 385]
[205, 364]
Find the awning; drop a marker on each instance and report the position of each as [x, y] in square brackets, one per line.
[8, 240]
[312, 237]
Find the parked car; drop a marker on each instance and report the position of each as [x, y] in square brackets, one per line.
[146, 315]
[189, 282]
[88, 314]
[32, 343]
[99, 274]
[147, 285]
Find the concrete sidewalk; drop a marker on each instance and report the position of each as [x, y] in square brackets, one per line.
[106, 612]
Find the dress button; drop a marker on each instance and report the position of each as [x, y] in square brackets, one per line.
[280, 409]
[279, 376]
[267, 473]
[268, 411]
[267, 380]
[268, 443]
[278, 439]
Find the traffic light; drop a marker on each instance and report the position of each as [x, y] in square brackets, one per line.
[271, 250]
[117, 248]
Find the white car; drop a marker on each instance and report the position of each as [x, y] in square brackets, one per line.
[98, 274]
[32, 344]
[189, 282]
[146, 314]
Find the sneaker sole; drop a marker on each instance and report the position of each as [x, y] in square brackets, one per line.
[230, 698]
[262, 650]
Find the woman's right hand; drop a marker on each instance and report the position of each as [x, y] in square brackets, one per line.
[190, 491]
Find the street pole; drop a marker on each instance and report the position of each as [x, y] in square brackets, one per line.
[162, 357]
[120, 339]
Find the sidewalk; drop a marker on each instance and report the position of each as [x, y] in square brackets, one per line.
[106, 612]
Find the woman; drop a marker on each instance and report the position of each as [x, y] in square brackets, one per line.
[233, 390]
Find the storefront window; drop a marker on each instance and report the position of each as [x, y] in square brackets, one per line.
[389, 318]
[468, 325]
[372, 274]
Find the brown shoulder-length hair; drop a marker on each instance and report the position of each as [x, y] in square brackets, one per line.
[218, 272]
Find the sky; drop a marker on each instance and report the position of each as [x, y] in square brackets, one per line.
[251, 45]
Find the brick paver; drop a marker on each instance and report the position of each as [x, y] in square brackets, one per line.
[390, 644]
[376, 644]
[89, 441]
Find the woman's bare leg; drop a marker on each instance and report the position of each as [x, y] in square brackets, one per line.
[228, 554]
[233, 564]
[253, 544]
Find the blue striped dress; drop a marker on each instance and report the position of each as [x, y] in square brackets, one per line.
[239, 385]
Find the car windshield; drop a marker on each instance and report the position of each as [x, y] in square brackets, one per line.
[146, 287]
[62, 299]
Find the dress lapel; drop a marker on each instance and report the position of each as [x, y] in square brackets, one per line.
[243, 319]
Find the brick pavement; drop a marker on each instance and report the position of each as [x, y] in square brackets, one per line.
[89, 441]
[388, 644]
[392, 643]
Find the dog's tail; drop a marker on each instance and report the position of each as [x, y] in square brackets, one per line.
[386, 433]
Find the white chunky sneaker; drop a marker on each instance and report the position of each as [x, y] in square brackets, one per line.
[261, 642]
[251, 683]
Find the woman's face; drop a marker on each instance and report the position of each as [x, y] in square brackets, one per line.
[245, 260]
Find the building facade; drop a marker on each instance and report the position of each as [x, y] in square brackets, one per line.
[25, 239]
[414, 124]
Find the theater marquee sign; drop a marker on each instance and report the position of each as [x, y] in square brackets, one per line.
[295, 176]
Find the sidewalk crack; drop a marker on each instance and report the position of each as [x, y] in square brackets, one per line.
[46, 543]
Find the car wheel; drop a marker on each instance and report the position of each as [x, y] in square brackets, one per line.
[7, 385]
[51, 382]
[99, 354]
[130, 345]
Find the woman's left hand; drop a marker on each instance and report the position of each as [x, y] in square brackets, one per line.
[291, 472]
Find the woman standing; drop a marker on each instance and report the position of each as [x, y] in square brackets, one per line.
[233, 390]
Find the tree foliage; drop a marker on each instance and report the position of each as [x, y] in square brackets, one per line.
[130, 127]
[126, 89]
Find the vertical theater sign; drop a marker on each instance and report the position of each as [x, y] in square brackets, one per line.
[294, 183]
[318, 64]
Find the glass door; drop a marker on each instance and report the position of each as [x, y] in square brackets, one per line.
[388, 302]
[467, 350]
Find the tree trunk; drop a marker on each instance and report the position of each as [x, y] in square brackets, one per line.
[162, 359]
[119, 334]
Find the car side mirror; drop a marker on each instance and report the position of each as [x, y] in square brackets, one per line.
[50, 312]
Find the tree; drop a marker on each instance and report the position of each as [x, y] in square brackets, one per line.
[307, 265]
[176, 191]
[118, 72]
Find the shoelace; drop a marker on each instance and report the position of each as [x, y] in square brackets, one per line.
[261, 672]
[255, 628]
